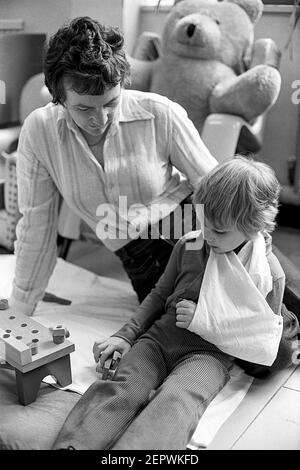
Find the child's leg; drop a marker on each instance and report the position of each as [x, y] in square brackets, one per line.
[107, 407]
[171, 417]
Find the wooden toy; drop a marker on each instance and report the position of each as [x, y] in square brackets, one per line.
[59, 333]
[3, 304]
[28, 347]
[48, 297]
[110, 366]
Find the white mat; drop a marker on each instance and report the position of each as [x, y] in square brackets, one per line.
[99, 307]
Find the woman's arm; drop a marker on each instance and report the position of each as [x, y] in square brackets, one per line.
[188, 152]
[36, 249]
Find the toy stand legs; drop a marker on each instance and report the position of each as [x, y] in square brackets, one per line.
[28, 383]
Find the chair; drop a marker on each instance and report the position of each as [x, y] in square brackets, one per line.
[235, 134]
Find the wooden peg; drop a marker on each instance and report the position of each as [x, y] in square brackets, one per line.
[110, 366]
[59, 333]
[4, 304]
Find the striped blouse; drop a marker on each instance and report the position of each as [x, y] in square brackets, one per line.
[153, 156]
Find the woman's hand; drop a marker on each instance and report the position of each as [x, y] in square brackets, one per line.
[185, 311]
[102, 350]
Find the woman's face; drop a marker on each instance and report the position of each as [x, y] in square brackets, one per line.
[93, 113]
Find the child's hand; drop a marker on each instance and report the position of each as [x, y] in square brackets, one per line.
[185, 311]
[103, 350]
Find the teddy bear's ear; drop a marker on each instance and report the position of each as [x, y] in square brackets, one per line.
[253, 8]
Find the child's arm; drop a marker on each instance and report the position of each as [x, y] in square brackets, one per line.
[151, 308]
[288, 351]
[289, 340]
[102, 350]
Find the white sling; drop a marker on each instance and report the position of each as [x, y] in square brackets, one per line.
[232, 312]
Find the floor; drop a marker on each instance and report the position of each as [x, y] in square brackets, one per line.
[269, 416]
[267, 419]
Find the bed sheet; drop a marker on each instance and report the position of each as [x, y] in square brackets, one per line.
[35, 426]
[99, 307]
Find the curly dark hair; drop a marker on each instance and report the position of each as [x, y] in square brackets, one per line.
[89, 55]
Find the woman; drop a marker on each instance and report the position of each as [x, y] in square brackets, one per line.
[125, 162]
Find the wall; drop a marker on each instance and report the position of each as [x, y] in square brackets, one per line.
[48, 15]
[106, 11]
[131, 22]
[40, 16]
[282, 125]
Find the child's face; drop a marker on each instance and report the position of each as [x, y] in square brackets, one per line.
[222, 241]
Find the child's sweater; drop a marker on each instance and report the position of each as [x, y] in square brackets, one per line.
[156, 316]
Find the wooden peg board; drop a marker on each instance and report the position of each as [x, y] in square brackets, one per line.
[19, 333]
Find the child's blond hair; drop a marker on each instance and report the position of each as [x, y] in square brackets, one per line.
[240, 193]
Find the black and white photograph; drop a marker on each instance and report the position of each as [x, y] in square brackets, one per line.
[149, 228]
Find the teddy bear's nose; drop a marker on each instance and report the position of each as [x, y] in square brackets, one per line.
[190, 30]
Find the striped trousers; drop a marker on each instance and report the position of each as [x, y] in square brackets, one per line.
[154, 401]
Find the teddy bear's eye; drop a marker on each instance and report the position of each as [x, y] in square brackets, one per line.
[218, 22]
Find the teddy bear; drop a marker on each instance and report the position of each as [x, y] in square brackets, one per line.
[207, 60]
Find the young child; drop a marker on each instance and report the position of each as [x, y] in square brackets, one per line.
[168, 374]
